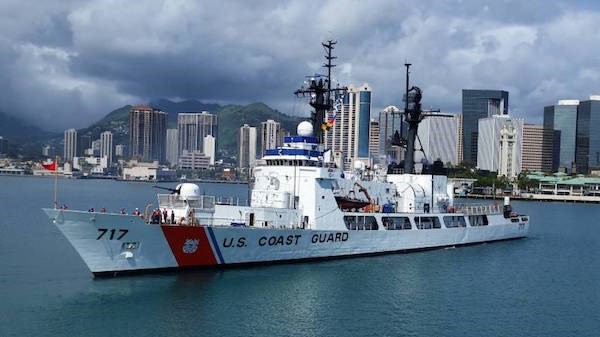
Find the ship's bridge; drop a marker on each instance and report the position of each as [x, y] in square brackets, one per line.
[296, 151]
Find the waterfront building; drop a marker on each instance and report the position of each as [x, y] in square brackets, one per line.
[210, 150]
[489, 142]
[193, 127]
[120, 150]
[172, 146]
[350, 132]
[48, 151]
[477, 104]
[193, 160]
[246, 146]
[438, 138]
[70, 146]
[587, 144]
[147, 133]
[563, 117]
[375, 142]
[147, 171]
[270, 135]
[106, 146]
[91, 165]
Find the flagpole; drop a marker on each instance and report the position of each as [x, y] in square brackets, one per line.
[56, 182]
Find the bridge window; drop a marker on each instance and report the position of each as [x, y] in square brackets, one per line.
[427, 222]
[396, 223]
[478, 220]
[454, 221]
[360, 222]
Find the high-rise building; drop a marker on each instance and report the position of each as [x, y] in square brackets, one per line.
[374, 142]
[84, 144]
[489, 141]
[438, 137]
[106, 146]
[193, 127]
[390, 123]
[477, 104]
[538, 148]
[172, 146]
[563, 117]
[350, 132]
[533, 147]
[246, 146]
[3, 146]
[210, 148]
[460, 137]
[587, 145]
[70, 149]
[147, 134]
[270, 135]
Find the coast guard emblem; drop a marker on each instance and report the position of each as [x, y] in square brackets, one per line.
[190, 246]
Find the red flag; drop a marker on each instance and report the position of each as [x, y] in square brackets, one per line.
[51, 166]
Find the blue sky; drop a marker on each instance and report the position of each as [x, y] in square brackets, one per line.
[67, 63]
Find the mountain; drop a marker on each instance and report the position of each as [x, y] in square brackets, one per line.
[16, 130]
[184, 106]
[230, 118]
[117, 121]
[24, 140]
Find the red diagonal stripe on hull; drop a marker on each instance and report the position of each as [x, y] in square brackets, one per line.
[183, 239]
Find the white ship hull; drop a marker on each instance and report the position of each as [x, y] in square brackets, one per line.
[110, 244]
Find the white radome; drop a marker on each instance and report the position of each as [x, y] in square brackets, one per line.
[305, 129]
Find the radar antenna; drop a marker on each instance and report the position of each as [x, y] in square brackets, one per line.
[319, 90]
[413, 115]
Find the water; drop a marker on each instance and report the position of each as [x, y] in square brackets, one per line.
[545, 285]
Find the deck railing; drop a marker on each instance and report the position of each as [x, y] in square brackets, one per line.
[472, 209]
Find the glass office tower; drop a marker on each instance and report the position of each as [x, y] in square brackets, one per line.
[477, 104]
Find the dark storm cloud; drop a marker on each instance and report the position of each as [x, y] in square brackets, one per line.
[65, 64]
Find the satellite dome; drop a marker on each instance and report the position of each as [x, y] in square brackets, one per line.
[305, 129]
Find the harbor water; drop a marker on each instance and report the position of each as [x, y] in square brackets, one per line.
[544, 285]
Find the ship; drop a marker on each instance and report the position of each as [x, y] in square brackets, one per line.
[303, 207]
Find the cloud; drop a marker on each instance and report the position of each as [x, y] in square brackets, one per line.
[67, 63]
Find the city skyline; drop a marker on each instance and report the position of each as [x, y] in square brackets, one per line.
[91, 58]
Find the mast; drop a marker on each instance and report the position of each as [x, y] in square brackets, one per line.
[319, 90]
[413, 115]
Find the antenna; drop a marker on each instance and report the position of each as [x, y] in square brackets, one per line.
[319, 90]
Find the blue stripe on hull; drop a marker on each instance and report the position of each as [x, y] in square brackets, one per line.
[215, 245]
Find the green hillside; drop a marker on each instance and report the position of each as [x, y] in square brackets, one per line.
[117, 121]
[230, 118]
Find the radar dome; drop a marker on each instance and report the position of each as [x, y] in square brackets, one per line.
[305, 129]
[188, 191]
